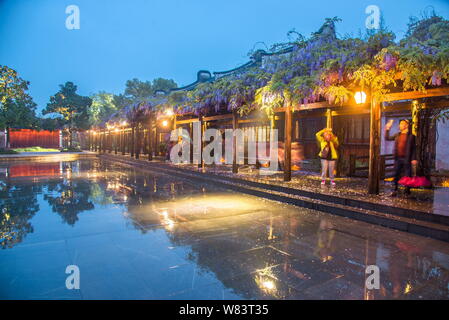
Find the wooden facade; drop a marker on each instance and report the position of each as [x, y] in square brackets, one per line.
[358, 127]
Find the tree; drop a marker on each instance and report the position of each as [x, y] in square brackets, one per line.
[72, 107]
[120, 101]
[137, 90]
[163, 84]
[17, 108]
[19, 113]
[101, 108]
[19, 205]
[51, 124]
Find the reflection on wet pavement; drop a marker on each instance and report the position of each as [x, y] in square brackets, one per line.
[434, 200]
[136, 235]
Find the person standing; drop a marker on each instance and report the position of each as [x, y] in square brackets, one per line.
[328, 144]
[404, 150]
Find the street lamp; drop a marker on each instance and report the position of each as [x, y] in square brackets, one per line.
[360, 97]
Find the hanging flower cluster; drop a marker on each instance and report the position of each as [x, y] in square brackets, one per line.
[325, 68]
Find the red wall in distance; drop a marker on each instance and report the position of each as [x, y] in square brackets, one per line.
[22, 138]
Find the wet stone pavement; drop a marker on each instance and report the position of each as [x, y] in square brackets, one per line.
[140, 235]
[434, 201]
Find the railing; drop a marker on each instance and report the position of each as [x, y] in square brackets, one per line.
[386, 166]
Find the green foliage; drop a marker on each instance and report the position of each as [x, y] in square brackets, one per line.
[419, 60]
[12, 87]
[161, 84]
[102, 107]
[36, 149]
[7, 151]
[137, 91]
[121, 101]
[51, 123]
[72, 108]
[17, 108]
[71, 149]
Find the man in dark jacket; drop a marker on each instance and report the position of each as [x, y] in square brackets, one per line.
[404, 150]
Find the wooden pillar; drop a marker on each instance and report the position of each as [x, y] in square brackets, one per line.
[201, 123]
[127, 141]
[110, 141]
[235, 126]
[374, 148]
[116, 140]
[100, 141]
[133, 129]
[137, 142]
[121, 136]
[104, 143]
[191, 141]
[288, 143]
[145, 140]
[150, 140]
[123, 140]
[329, 119]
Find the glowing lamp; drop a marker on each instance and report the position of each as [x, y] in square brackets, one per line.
[360, 97]
[164, 123]
[169, 112]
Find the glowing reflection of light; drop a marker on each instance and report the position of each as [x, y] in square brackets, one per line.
[166, 221]
[266, 281]
[268, 284]
[408, 288]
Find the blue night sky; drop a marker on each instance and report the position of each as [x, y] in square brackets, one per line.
[121, 40]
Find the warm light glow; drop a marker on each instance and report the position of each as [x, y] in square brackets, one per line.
[116, 130]
[124, 123]
[360, 97]
[266, 281]
[94, 132]
[164, 123]
[169, 112]
[269, 285]
[166, 221]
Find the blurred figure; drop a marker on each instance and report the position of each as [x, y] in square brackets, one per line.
[170, 145]
[404, 151]
[328, 143]
[325, 248]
